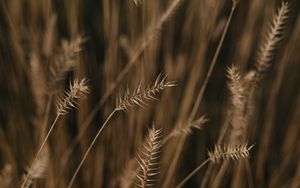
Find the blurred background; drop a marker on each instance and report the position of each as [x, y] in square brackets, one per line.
[117, 45]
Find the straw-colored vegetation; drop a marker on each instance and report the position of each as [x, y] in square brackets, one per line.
[149, 93]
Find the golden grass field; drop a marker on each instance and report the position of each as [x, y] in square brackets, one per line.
[149, 93]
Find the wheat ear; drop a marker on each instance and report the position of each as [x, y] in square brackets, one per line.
[137, 98]
[77, 90]
[220, 153]
[148, 159]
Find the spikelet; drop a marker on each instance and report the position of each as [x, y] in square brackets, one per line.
[237, 89]
[186, 129]
[64, 61]
[37, 169]
[236, 86]
[273, 37]
[229, 152]
[77, 90]
[148, 159]
[140, 95]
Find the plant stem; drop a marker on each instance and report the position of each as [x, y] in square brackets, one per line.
[41, 148]
[192, 173]
[90, 147]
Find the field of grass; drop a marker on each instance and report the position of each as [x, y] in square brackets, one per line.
[149, 93]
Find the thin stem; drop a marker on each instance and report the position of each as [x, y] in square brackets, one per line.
[47, 136]
[90, 147]
[192, 173]
[211, 67]
[202, 89]
[46, 116]
[146, 40]
[41, 147]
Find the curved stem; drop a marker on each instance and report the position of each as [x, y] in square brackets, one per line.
[192, 173]
[90, 147]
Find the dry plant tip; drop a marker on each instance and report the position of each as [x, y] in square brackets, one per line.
[229, 152]
[272, 38]
[148, 159]
[77, 90]
[140, 95]
[37, 169]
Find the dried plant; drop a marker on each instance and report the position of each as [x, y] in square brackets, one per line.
[37, 168]
[77, 90]
[140, 95]
[272, 38]
[186, 129]
[137, 98]
[64, 60]
[220, 153]
[229, 152]
[238, 115]
[41, 49]
[236, 86]
[148, 159]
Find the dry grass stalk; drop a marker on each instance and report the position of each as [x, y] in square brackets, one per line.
[37, 168]
[140, 45]
[64, 60]
[139, 96]
[239, 101]
[77, 90]
[148, 159]
[272, 38]
[229, 152]
[126, 179]
[186, 129]
[136, 99]
[201, 91]
[220, 153]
